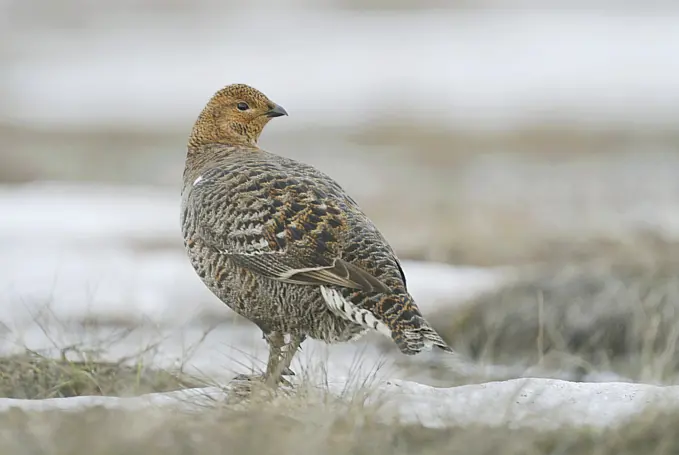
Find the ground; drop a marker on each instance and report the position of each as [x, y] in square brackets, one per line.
[308, 424]
[307, 420]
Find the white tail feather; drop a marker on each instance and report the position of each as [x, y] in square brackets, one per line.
[345, 309]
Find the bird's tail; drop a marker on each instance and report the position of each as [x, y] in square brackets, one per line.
[409, 330]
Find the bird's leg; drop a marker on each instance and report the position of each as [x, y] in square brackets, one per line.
[280, 356]
[276, 342]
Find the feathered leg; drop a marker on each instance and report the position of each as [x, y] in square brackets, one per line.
[280, 356]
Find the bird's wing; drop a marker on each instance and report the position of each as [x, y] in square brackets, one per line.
[287, 228]
[310, 271]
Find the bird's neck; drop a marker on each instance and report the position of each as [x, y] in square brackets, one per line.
[209, 130]
[201, 157]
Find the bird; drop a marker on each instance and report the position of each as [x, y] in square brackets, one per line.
[283, 244]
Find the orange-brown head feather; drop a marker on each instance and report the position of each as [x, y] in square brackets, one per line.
[235, 115]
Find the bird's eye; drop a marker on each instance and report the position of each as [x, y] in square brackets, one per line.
[243, 106]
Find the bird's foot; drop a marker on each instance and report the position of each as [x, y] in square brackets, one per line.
[247, 377]
[248, 387]
[250, 380]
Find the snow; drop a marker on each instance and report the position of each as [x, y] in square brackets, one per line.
[520, 403]
[475, 69]
[49, 213]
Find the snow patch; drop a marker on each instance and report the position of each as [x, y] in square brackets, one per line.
[530, 402]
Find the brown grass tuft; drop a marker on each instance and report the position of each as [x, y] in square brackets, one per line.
[575, 321]
[304, 424]
[34, 376]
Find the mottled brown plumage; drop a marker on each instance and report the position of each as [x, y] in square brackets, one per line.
[282, 244]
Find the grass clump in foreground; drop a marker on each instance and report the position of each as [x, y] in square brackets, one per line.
[311, 423]
[617, 316]
[33, 376]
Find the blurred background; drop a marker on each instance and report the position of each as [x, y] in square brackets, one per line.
[482, 135]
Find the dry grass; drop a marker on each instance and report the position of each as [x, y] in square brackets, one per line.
[34, 376]
[575, 322]
[304, 424]
[442, 144]
[513, 238]
[76, 362]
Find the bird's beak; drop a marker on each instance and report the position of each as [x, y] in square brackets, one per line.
[277, 111]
